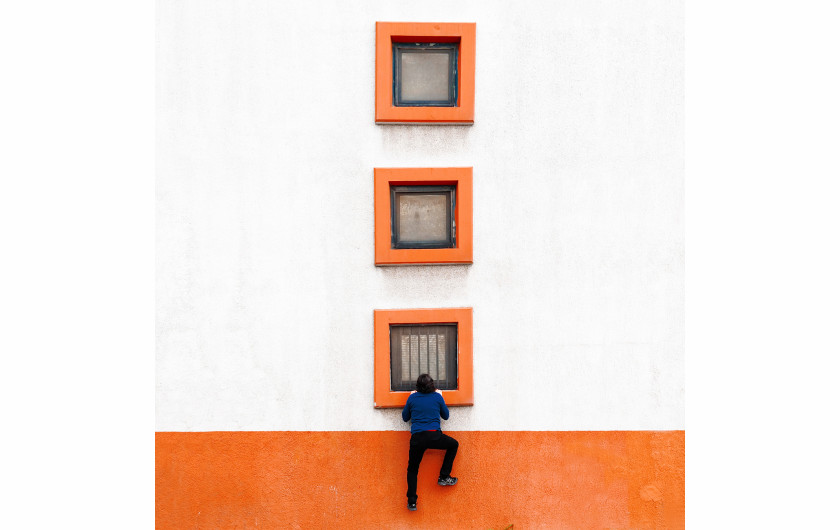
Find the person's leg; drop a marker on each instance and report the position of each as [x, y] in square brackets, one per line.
[450, 445]
[416, 449]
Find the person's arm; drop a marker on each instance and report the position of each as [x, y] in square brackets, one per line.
[406, 410]
[444, 410]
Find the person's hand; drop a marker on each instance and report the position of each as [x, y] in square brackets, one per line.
[413, 392]
[439, 392]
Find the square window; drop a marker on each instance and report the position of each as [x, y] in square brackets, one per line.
[424, 349]
[422, 215]
[410, 342]
[425, 72]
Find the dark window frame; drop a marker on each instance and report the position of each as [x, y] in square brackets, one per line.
[451, 382]
[450, 191]
[398, 48]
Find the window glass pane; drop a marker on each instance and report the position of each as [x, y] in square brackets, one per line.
[423, 217]
[424, 75]
[424, 349]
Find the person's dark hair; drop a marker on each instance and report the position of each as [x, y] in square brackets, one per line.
[425, 384]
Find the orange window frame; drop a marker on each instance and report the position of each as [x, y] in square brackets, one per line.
[389, 32]
[460, 177]
[383, 396]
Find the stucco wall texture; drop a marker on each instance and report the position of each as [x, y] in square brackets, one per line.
[266, 145]
[578, 480]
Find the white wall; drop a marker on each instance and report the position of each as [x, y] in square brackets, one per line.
[265, 277]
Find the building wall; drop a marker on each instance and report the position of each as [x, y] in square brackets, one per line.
[531, 479]
[265, 279]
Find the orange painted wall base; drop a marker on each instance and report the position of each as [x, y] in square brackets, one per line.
[350, 479]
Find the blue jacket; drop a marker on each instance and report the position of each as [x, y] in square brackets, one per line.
[425, 411]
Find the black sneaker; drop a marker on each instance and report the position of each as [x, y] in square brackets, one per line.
[412, 506]
[448, 481]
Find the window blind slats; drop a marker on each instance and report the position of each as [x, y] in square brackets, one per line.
[418, 349]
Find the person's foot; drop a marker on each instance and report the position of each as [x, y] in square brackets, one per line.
[412, 506]
[447, 481]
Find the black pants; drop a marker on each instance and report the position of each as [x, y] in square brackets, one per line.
[421, 441]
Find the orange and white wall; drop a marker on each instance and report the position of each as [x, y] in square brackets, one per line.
[266, 283]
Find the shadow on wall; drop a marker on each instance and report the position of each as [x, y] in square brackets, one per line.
[423, 281]
[356, 479]
[459, 417]
[437, 139]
